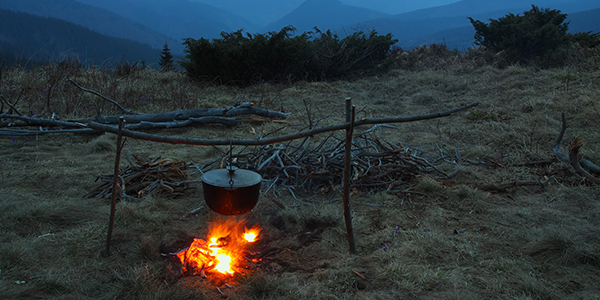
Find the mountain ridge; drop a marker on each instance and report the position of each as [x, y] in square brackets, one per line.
[324, 14]
[39, 38]
[97, 19]
[179, 19]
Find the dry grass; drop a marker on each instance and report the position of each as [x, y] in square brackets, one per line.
[458, 242]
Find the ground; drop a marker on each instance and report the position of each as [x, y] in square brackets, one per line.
[452, 239]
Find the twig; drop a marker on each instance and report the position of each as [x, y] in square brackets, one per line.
[277, 202]
[9, 104]
[123, 109]
[192, 212]
[294, 195]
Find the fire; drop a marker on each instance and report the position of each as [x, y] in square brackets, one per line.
[223, 251]
[251, 234]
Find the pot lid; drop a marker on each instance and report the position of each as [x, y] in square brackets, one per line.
[223, 177]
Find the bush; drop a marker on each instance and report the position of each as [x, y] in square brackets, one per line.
[536, 35]
[280, 56]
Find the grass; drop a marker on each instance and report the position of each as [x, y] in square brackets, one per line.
[450, 240]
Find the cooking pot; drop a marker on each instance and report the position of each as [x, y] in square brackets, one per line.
[231, 191]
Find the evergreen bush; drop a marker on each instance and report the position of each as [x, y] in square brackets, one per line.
[166, 62]
[282, 56]
[535, 35]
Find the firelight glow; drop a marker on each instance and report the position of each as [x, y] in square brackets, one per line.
[222, 252]
[250, 236]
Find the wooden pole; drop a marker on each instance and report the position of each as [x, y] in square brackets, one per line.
[113, 205]
[350, 111]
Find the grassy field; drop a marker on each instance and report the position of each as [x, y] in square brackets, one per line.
[453, 240]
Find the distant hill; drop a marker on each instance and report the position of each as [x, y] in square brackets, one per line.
[585, 21]
[177, 18]
[261, 12]
[449, 24]
[264, 12]
[100, 20]
[38, 38]
[462, 38]
[466, 8]
[397, 6]
[325, 14]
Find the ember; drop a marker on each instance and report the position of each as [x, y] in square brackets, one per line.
[223, 252]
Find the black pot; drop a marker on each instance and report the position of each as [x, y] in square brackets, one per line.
[231, 191]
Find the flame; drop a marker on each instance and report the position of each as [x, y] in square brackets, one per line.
[222, 253]
[251, 234]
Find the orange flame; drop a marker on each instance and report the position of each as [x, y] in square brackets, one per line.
[251, 234]
[227, 243]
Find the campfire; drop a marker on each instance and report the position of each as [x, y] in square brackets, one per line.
[222, 253]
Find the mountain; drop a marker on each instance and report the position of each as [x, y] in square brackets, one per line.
[260, 12]
[100, 20]
[41, 38]
[397, 6]
[449, 24]
[324, 14]
[179, 19]
[467, 8]
[263, 12]
[462, 38]
[585, 21]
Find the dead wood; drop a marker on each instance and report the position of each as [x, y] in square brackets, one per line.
[243, 109]
[589, 166]
[146, 178]
[265, 141]
[10, 105]
[574, 159]
[181, 118]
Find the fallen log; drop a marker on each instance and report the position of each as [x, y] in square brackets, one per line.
[245, 108]
[175, 119]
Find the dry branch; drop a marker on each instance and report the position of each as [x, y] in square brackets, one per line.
[173, 119]
[123, 109]
[245, 108]
[195, 141]
[10, 105]
[574, 159]
[581, 162]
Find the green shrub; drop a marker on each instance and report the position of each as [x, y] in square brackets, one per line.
[282, 56]
[585, 39]
[166, 62]
[535, 35]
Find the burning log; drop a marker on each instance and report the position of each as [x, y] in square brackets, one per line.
[223, 252]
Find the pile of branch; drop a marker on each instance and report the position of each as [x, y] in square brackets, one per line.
[160, 176]
[377, 164]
